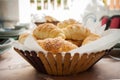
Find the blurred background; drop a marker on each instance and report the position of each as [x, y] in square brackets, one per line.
[13, 11]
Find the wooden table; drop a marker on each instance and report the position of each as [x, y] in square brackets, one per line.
[14, 67]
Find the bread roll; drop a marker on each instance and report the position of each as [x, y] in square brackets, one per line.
[47, 30]
[50, 19]
[65, 23]
[56, 45]
[76, 32]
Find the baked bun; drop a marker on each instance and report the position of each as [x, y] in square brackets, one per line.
[47, 30]
[76, 32]
[50, 19]
[56, 45]
[65, 23]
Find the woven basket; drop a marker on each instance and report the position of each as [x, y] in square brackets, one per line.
[60, 64]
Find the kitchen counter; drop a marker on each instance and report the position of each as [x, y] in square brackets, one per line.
[14, 67]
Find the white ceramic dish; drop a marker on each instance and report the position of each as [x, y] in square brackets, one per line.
[11, 32]
[6, 46]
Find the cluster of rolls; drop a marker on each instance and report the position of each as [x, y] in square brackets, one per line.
[63, 37]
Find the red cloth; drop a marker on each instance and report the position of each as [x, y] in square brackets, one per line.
[115, 23]
[111, 22]
[104, 20]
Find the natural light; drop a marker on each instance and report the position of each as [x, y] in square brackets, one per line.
[74, 10]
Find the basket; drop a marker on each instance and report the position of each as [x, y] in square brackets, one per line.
[60, 64]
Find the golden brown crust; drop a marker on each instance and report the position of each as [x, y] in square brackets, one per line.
[76, 32]
[66, 23]
[56, 45]
[50, 19]
[47, 30]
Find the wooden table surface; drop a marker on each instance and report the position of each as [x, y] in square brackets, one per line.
[14, 67]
